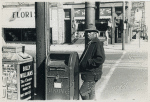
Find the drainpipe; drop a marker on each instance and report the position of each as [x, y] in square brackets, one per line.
[89, 17]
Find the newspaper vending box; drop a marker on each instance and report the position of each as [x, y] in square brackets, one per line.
[17, 74]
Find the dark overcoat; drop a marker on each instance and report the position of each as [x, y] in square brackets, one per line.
[91, 61]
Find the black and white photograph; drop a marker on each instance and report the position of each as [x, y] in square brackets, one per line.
[74, 50]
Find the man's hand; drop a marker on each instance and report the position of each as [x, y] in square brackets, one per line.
[91, 62]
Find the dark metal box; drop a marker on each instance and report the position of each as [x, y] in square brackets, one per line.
[62, 76]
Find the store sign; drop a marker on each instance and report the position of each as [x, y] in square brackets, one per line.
[79, 12]
[21, 13]
[23, 17]
[26, 80]
[137, 5]
[105, 11]
[138, 15]
[26, 14]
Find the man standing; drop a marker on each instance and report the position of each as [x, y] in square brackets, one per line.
[107, 37]
[90, 63]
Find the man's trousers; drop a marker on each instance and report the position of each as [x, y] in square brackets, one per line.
[87, 90]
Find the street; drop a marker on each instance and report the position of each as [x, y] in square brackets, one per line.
[126, 79]
[125, 73]
[40, 28]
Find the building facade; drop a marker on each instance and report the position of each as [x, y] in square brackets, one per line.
[138, 18]
[67, 22]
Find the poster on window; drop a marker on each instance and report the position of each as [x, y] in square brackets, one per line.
[9, 81]
[105, 11]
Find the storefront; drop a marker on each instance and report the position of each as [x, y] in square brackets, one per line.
[20, 35]
[79, 22]
[19, 24]
[104, 23]
[101, 24]
[66, 24]
[118, 24]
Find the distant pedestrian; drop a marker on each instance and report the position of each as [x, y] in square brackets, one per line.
[107, 36]
[90, 63]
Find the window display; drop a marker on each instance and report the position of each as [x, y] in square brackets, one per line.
[20, 34]
[28, 35]
[13, 34]
[81, 25]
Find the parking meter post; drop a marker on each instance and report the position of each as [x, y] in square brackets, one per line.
[113, 24]
[139, 38]
[139, 32]
[123, 35]
[23, 49]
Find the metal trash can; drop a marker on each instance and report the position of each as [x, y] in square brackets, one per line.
[62, 76]
[17, 74]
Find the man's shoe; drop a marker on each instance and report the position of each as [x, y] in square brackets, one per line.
[85, 97]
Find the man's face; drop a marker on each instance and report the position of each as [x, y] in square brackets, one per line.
[91, 35]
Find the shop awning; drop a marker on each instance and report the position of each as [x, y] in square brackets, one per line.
[101, 17]
[18, 17]
[105, 17]
[79, 18]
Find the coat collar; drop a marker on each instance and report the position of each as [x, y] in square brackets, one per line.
[94, 40]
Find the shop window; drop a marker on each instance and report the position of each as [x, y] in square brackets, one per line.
[102, 34]
[67, 13]
[101, 27]
[28, 35]
[12, 34]
[81, 27]
[20, 34]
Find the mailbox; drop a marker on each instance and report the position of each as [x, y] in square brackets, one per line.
[17, 74]
[62, 76]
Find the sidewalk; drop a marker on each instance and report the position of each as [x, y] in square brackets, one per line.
[117, 47]
[134, 45]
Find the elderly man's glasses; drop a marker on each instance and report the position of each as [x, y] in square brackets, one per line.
[91, 33]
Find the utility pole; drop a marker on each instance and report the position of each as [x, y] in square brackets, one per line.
[123, 34]
[89, 17]
[113, 26]
[42, 45]
[141, 26]
[140, 31]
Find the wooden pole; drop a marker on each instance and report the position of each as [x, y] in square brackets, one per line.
[42, 45]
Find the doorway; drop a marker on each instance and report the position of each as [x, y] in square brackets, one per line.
[67, 31]
[51, 40]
